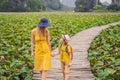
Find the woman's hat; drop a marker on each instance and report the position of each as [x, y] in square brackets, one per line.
[44, 23]
[66, 37]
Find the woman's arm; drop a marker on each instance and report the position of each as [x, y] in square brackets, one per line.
[48, 42]
[58, 50]
[32, 43]
[48, 39]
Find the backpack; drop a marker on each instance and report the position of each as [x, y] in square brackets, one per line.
[66, 50]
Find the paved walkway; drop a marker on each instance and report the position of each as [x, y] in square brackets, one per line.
[80, 70]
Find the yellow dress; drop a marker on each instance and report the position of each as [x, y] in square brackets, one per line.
[64, 56]
[42, 59]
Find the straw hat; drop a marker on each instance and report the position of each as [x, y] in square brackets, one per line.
[66, 37]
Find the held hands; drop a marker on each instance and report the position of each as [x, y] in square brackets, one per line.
[53, 54]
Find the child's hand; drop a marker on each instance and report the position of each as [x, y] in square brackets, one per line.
[70, 64]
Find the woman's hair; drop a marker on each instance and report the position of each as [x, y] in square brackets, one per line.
[42, 31]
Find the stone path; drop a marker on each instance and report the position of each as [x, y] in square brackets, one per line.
[80, 69]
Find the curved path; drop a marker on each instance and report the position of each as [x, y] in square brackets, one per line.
[80, 70]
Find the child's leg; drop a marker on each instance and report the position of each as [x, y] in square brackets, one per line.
[67, 67]
[44, 73]
[63, 69]
[41, 72]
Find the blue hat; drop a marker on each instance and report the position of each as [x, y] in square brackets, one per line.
[44, 23]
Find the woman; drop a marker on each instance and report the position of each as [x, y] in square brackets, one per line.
[40, 39]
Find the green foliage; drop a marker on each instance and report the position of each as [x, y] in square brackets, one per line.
[15, 29]
[104, 54]
[56, 6]
[21, 5]
[84, 5]
[29, 5]
[4, 5]
[35, 5]
[91, 5]
[114, 7]
[99, 8]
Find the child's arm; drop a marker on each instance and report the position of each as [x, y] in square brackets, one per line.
[56, 52]
[70, 62]
[70, 55]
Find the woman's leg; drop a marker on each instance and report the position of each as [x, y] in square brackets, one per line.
[67, 71]
[44, 74]
[63, 69]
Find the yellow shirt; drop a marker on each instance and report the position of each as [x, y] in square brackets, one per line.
[64, 56]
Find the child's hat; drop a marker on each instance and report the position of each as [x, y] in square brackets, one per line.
[66, 37]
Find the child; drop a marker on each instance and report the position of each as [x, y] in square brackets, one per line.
[65, 51]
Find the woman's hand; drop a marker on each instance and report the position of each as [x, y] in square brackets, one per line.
[52, 54]
[33, 54]
[2, 57]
